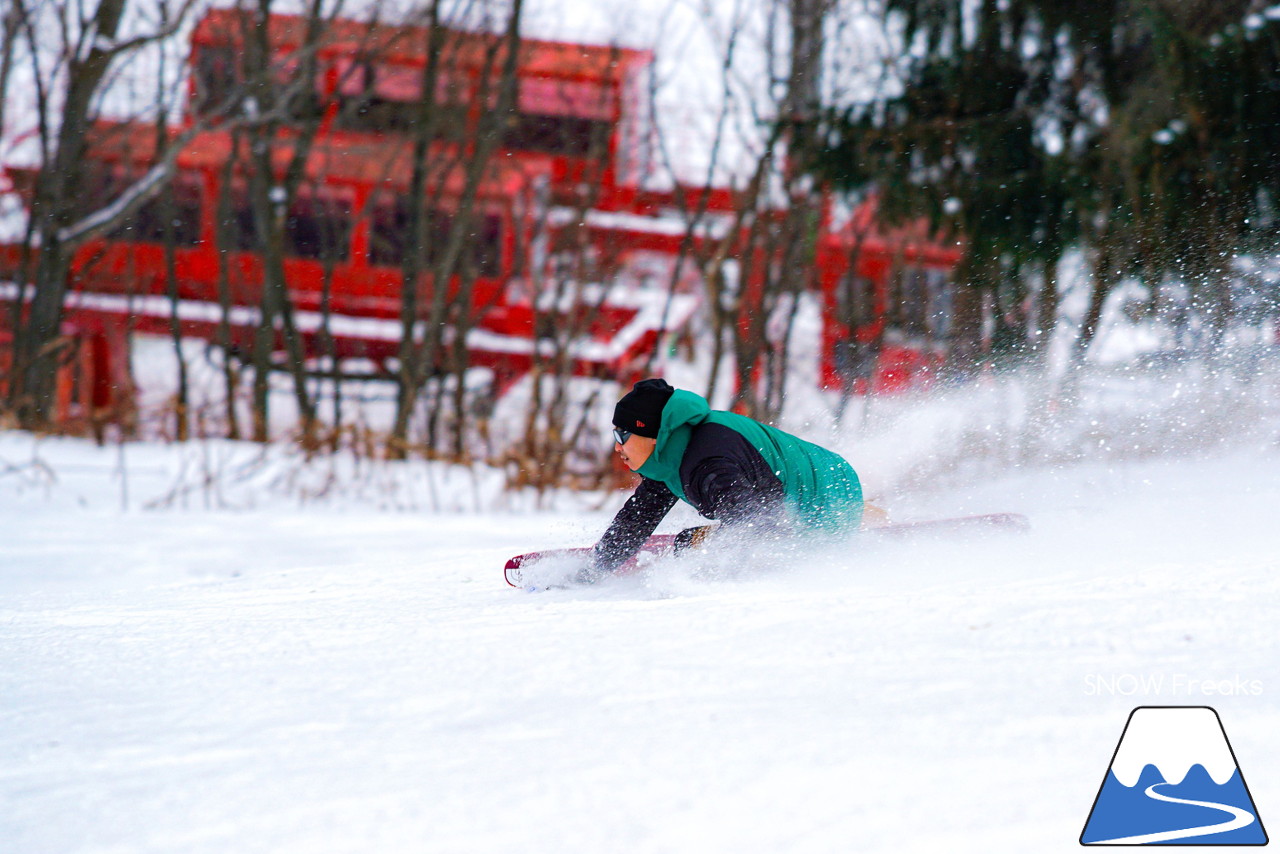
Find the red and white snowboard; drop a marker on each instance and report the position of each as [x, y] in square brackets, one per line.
[559, 567]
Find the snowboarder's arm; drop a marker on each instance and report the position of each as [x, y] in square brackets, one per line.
[726, 478]
[721, 489]
[632, 526]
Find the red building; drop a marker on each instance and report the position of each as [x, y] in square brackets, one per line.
[887, 304]
[578, 120]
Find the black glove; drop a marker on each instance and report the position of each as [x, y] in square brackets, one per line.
[692, 538]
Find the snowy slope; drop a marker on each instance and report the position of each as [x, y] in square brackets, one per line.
[321, 680]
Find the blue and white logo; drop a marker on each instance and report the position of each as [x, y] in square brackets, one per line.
[1173, 780]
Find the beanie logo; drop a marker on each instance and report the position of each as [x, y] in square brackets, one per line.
[639, 423]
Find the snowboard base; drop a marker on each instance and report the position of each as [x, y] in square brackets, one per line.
[560, 567]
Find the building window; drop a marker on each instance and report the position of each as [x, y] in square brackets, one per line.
[239, 231]
[376, 98]
[305, 106]
[486, 245]
[375, 115]
[921, 303]
[914, 314]
[387, 235]
[314, 228]
[161, 219]
[217, 77]
[372, 114]
[389, 238]
[318, 228]
[220, 78]
[565, 135]
[940, 308]
[855, 300]
[178, 217]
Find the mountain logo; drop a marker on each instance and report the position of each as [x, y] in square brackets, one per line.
[1173, 780]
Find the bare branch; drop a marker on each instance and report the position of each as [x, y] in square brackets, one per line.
[111, 48]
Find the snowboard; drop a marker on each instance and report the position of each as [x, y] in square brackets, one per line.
[559, 567]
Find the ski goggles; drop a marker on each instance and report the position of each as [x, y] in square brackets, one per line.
[621, 436]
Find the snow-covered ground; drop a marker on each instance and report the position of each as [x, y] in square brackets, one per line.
[350, 679]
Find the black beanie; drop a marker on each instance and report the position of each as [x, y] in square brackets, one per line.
[640, 410]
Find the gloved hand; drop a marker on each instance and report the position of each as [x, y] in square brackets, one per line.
[692, 538]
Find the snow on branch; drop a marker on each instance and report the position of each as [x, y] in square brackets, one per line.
[127, 202]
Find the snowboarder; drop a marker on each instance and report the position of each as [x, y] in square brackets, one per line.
[728, 467]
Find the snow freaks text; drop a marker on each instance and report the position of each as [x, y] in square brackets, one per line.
[1169, 685]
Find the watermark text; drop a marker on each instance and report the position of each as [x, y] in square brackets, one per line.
[1168, 685]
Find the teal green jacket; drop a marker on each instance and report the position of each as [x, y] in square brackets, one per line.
[821, 490]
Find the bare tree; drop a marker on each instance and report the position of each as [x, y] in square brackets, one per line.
[423, 348]
[570, 295]
[756, 266]
[252, 110]
[167, 210]
[777, 253]
[271, 194]
[10, 27]
[224, 212]
[90, 48]
[422, 198]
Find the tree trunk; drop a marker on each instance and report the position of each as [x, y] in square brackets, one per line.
[412, 372]
[35, 360]
[181, 413]
[1105, 276]
[10, 24]
[222, 243]
[964, 347]
[1045, 321]
[270, 196]
[445, 308]
[167, 207]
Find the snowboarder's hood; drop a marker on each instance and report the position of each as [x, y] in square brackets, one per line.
[684, 411]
